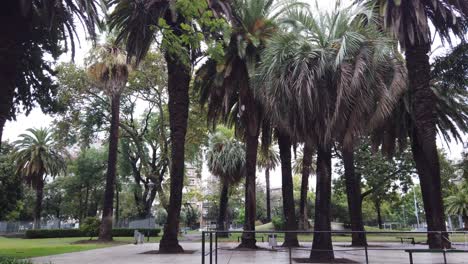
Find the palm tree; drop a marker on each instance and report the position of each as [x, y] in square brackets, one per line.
[303, 166]
[227, 88]
[36, 158]
[409, 22]
[457, 204]
[268, 160]
[109, 68]
[322, 81]
[448, 82]
[42, 26]
[226, 160]
[138, 24]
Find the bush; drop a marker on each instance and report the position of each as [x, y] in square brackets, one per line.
[90, 227]
[116, 232]
[53, 233]
[278, 222]
[258, 223]
[5, 260]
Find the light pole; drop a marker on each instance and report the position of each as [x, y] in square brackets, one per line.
[416, 207]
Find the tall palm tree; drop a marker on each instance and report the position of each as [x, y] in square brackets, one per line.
[138, 24]
[320, 81]
[109, 68]
[227, 88]
[409, 22]
[44, 26]
[457, 204]
[268, 160]
[37, 157]
[226, 160]
[448, 84]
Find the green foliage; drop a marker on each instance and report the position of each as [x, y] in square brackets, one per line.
[278, 222]
[57, 233]
[11, 190]
[457, 204]
[6, 260]
[90, 226]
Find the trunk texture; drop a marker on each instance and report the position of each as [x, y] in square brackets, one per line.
[322, 247]
[306, 170]
[465, 222]
[284, 142]
[353, 193]
[423, 143]
[178, 84]
[248, 239]
[268, 202]
[38, 206]
[223, 203]
[379, 214]
[105, 232]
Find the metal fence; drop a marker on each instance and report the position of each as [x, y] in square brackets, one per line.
[210, 239]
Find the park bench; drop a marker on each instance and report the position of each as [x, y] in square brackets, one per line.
[407, 238]
[443, 251]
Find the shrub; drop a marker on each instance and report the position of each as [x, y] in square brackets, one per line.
[278, 222]
[258, 223]
[116, 232]
[90, 227]
[5, 260]
[53, 233]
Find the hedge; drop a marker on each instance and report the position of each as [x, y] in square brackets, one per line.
[6, 260]
[59, 233]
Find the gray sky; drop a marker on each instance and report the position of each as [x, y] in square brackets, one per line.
[38, 119]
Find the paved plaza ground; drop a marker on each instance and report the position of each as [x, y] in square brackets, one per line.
[135, 254]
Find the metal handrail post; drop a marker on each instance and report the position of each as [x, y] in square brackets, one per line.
[216, 247]
[203, 248]
[367, 254]
[211, 247]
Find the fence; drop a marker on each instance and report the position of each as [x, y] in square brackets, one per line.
[212, 236]
[8, 227]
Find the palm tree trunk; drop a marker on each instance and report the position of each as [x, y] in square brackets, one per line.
[248, 239]
[353, 193]
[423, 143]
[105, 232]
[268, 202]
[322, 247]
[465, 222]
[306, 170]
[223, 202]
[378, 208]
[284, 142]
[178, 85]
[38, 206]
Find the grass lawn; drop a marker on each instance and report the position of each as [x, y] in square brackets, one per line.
[27, 248]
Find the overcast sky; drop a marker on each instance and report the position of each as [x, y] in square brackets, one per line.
[37, 119]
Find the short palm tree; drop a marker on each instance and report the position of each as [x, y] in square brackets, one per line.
[268, 160]
[226, 160]
[37, 157]
[409, 22]
[457, 204]
[303, 165]
[326, 79]
[37, 27]
[109, 69]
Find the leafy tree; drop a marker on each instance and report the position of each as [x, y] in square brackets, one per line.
[109, 68]
[179, 22]
[36, 158]
[11, 189]
[90, 226]
[409, 21]
[37, 29]
[268, 160]
[226, 160]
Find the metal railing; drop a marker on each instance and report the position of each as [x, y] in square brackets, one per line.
[212, 236]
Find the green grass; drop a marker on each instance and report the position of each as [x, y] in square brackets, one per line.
[27, 248]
